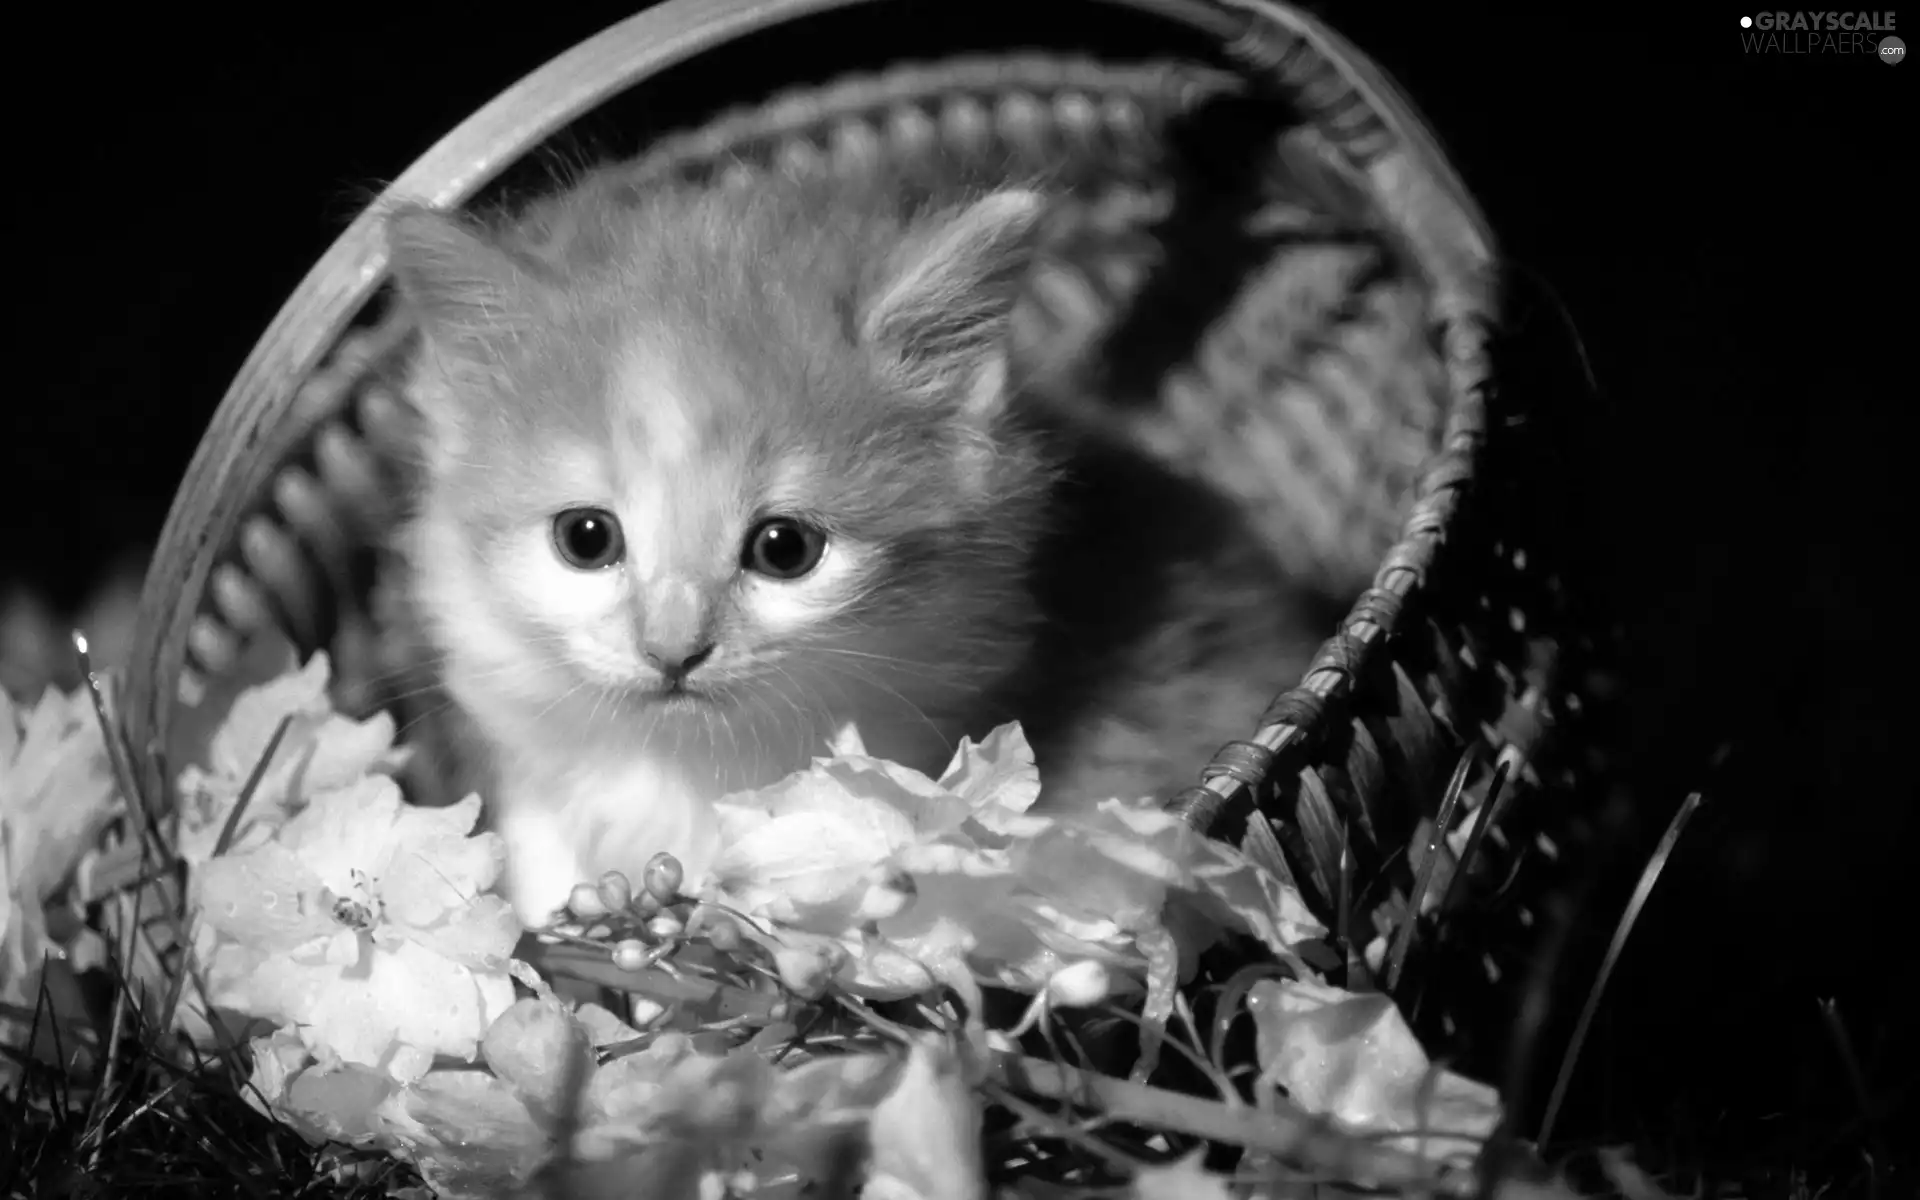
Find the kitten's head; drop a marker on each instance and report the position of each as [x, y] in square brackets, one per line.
[740, 462]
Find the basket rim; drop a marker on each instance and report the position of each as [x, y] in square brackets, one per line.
[1284, 49]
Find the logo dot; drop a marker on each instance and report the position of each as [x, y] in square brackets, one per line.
[1746, 22]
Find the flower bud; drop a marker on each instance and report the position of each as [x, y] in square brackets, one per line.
[1375, 955]
[615, 892]
[722, 932]
[632, 955]
[665, 927]
[1080, 984]
[663, 877]
[585, 901]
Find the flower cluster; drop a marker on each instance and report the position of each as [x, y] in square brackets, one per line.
[914, 882]
[392, 1000]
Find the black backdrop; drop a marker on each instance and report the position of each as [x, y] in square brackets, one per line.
[1721, 226]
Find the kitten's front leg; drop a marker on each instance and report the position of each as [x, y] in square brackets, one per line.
[543, 866]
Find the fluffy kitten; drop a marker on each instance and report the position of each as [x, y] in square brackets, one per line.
[712, 472]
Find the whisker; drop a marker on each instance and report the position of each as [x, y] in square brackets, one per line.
[850, 671]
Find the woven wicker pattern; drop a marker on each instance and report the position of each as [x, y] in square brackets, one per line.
[1261, 274]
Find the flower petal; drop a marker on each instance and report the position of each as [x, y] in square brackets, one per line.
[480, 936]
[926, 1133]
[829, 1090]
[57, 792]
[995, 777]
[275, 987]
[408, 997]
[803, 859]
[1183, 1179]
[346, 835]
[266, 898]
[338, 1102]
[242, 738]
[9, 730]
[916, 805]
[535, 1047]
[420, 824]
[603, 1027]
[1352, 1057]
[425, 880]
[276, 1059]
[466, 1132]
[343, 750]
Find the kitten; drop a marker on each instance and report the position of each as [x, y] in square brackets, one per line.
[710, 473]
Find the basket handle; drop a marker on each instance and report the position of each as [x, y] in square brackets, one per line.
[255, 427]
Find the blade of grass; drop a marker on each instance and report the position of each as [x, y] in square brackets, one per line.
[1354, 956]
[1476, 837]
[1648, 878]
[252, 785]
[1231, 1001]
[1489, 813]
[144, 818]
[110, 1053]
[159, 854]
[1442, 821]
[1856, 1077]
[42, 1001]
[227, 832]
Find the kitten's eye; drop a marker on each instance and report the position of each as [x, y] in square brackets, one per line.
[588, 538]
[783, 548]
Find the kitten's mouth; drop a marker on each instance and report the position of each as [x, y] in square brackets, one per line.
[679, 697]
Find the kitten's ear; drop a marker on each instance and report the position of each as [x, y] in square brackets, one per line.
[465, 291]
[943, 308]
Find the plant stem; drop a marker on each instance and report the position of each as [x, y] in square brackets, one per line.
[1287, 1133]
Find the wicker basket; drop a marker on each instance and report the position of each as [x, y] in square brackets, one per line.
[1295, 298]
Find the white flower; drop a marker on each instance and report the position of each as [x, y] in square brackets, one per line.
[322, 750]
[57, 795]
[952, 881]
[926, 1133]
[363, 923]
[1350, 1056]
[855, 841]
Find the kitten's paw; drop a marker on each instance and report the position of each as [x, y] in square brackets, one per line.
[542, 868]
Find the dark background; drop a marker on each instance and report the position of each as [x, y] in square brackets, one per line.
[1721, 228]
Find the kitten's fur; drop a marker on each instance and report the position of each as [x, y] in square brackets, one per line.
[693, 359]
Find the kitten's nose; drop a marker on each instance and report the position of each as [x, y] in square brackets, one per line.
[675, 633]
[676, 661]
